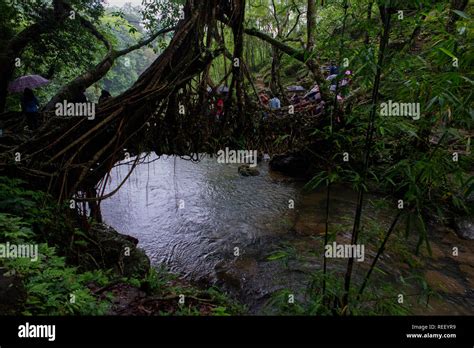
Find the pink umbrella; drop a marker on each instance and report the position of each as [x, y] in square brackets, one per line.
[28, 81]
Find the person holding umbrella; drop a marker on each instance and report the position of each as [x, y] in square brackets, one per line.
[29, 106]
[29, 103]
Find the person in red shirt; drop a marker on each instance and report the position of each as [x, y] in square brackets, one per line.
[264, 99]
[219, 107]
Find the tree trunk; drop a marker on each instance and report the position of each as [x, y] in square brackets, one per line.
[237, 71]
[369, 18]
[275, 70]
[386, 15]
[310, 25]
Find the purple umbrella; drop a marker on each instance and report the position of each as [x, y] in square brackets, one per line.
[296, 89]
[28, 81]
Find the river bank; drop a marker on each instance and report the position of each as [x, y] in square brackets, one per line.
[97, 271]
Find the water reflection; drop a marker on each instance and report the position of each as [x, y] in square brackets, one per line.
[192, 215]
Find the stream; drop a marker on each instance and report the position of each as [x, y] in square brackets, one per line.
[205, 221]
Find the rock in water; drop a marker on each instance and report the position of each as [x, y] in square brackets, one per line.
[246, 170]
[464, 227]
[291, 164]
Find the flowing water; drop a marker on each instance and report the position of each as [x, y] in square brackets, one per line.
[205, 221]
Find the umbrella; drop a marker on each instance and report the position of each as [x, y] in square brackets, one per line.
[312, 92]
[28, 81]
[296, 89]
[223, 89]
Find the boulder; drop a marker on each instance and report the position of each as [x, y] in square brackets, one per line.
[291, 164]
[246, 170]
[464, 227]
[119, 252]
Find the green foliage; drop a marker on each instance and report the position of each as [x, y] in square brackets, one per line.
[168, 12]
[71, 50]
[160, 282]
[56, 289]
[50, 284]
[123, 30]
[381, 300]
[378, 300]
[62, 53]
[225, 305]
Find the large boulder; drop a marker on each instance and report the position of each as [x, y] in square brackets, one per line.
[292, 164]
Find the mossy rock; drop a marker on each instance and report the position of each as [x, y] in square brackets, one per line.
[118, 252]
[246, 170]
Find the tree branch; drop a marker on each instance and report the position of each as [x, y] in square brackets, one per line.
[144, 42]
[93, 75]
[297, 54]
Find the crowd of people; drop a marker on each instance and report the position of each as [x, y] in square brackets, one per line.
[311, 100]
[301, 99]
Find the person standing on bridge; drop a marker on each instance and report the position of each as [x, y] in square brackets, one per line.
[314, 95]
[333, 68]
[29, 106]
[80, 98]
[104, 96]
[264, 99]
[219, 107]
[275, 103]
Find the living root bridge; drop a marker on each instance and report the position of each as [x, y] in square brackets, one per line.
[71, 155]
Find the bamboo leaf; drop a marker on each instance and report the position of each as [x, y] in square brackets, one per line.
[276, 256]
[461, 14]
[447, 52]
